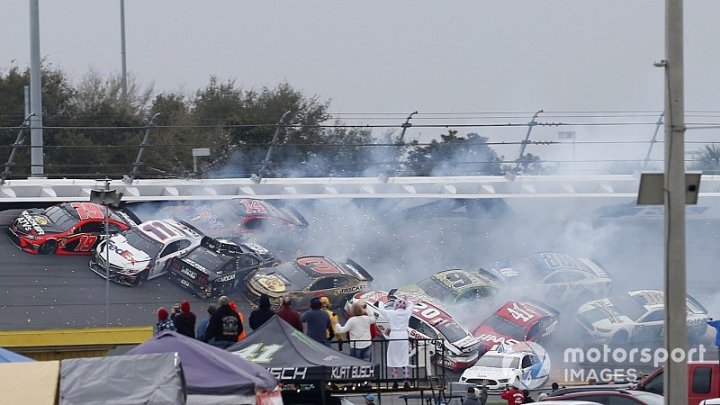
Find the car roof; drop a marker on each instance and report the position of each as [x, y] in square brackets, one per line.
[167, 231]
[537, 310]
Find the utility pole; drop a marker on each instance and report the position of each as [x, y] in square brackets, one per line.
[676, 340]
[530, 124]
[36, 125]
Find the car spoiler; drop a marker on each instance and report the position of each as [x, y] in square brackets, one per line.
[697, 303]
[129, 215]
[366, 276]
[540, 306]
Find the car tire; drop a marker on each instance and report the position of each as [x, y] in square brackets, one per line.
[141, 278]
[48, 248]
[619, 338]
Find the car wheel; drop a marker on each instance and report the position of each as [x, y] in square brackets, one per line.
[49, 247]
[141, 278]
[619, 338]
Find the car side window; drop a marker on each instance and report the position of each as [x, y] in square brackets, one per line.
[169, 249]
[322, 284]
[422, 327]
[92, 227]
[564, 277]
[654, 316]
[340, 282]
[701, 380]
[526, 362]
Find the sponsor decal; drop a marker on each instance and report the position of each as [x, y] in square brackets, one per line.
[288, 373]
[354, 289]
[40, 220]
[28, 223]
[487, 337]
[227, 278]
[352, 372]
[272, 284]
[188, 273]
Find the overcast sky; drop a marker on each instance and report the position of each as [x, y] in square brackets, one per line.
[389, 56]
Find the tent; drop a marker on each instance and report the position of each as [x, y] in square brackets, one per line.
[294, 357]
[34, 382]
[7, 356]
[213, 376]
[139, 379]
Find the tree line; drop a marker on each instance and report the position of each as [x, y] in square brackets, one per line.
[93, 129]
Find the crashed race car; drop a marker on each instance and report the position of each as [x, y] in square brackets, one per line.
[552, 276]
[218, 268]
[517, 321]
[145, 252]
[307, 277]
[454, 286]
[429, 321]
[636, 316]
[66, 229]
[525, 365]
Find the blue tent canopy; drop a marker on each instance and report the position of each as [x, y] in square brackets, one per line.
[7, 356]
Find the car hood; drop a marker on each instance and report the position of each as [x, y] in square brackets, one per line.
[124, 255]
[271, 283]
[488, 373]
[490, 338]
[603, 314]
[36, 223]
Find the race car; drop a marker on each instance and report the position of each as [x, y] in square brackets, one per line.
[66, 229]
[636, 316]
[143, 252]
[454, 286]
[307, 277]
[552, 276]
[525, 365]
[517, 321]
[217, 267]
[240, 218]
[459, 348]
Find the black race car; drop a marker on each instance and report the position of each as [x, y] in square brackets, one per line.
[217, 268]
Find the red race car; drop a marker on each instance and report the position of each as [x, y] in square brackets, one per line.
[517, 321]
[65, 229]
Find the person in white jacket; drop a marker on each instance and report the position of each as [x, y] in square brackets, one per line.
[359, 328]
[399, 347]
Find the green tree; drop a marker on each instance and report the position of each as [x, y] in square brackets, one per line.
[454, 155]
[707, 159]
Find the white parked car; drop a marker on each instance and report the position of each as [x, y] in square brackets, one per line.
[635, 316]
[528, 368]
[142, 252]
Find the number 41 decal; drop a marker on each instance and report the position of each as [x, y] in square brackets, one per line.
[520, 314]
[259, 352]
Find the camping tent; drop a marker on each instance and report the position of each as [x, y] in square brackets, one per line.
[294, 357]
[139, 379]
[33, 382]
[7, 356]
[213, 376]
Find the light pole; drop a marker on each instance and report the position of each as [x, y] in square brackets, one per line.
[106, 197]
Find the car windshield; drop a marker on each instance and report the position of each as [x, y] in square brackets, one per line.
[504, 327]
[140, 241]
[61, 217]
[297, 277]
[208, 259]
[435, 289]
[495, 361]
[629, 307]
[452, 331]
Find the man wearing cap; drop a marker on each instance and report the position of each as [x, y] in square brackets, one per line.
[318, 322]
[325, 301]
[369, 399]
[224, 326]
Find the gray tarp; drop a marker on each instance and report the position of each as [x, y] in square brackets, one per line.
[133, 379]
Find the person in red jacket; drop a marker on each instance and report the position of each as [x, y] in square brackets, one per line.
[289, 315]
[512, 395]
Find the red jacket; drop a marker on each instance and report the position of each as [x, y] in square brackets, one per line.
[513, 396]
[290, 316]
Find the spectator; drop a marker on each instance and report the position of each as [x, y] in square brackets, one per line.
[471, 397]
[185, 320]
[542, 396]
[289, 315]
[398, 348]
[369, 399]
[512, 395]
[262, 313]
[528, 399]
[318, 321]
[358, 326]
[554, 387]
[331, 333]
[224, 326]
[202, 326]
[483, 395]
[234, 307]
[164, 323]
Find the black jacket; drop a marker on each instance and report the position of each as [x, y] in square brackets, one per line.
[185, 324]
[224, 325]
[261, 315]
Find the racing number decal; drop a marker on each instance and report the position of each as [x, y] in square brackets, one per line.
[520, 314]
[259, 352]
[428, 313]
[254, 207]
[158, 229]
[556, 261]
[458, 280]
[86, 243]
[318, 265]
[88, 211]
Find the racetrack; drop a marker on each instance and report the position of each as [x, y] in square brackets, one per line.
[41, 292]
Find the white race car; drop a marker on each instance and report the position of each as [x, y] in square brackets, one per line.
[552, 276]
[525, 365]
[461, 348]
[635, 316]
[142, 252]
